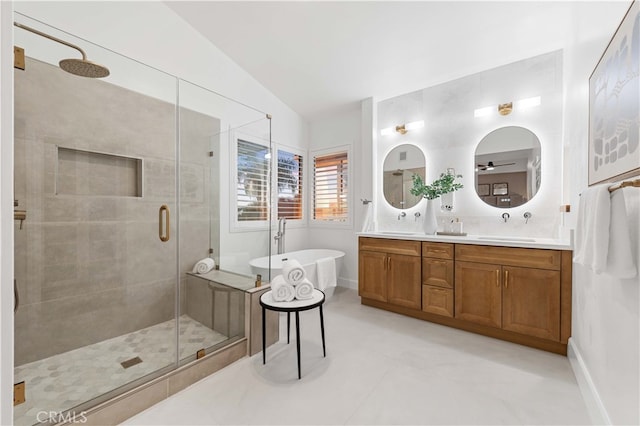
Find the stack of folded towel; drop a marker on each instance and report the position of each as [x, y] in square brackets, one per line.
[292, 284]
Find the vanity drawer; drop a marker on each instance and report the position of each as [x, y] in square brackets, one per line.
[437, 300]
[408, 248]
[437, 250]
[437, 272]
[511, 256]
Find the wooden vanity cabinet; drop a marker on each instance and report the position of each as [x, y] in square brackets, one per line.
[437, 278]
[522, 295]
[520, 292]
[389, 271]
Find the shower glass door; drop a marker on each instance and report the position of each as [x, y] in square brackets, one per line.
[212, 311]
[96, 252]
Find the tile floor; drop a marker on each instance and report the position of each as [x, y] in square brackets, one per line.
[66, 380]
[381, 368]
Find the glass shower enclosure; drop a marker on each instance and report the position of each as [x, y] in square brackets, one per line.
[119, 189]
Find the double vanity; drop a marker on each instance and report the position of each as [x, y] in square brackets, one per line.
[515, 289]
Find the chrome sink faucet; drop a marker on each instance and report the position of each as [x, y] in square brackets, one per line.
[279, 237]
[506, 216]
[403, 214]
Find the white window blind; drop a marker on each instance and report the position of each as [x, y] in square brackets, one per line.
[289, 185]
[330, 187]
[252, 190]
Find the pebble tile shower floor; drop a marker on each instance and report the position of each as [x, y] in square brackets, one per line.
[66, 380]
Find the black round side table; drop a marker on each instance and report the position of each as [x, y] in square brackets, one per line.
[297, 306]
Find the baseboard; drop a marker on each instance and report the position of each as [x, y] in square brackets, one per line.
[344, 282]
[595, 407]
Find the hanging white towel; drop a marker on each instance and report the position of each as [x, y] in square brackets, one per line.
[326, 270]
[304, 290]
[203, 266]
[282, 290]
[293, 271]
[368, 217]
[592, 229]
[620, 262]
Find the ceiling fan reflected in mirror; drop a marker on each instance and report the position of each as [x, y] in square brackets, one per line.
[491, 166]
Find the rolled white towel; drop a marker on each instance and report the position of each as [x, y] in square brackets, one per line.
[304, 290]
[293, 271]
[203, 266]
[282, 290]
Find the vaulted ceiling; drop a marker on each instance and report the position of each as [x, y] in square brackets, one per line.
[321, 56]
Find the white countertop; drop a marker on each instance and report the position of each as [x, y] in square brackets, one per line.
[485, 240]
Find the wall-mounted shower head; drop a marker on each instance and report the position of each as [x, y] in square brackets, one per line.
[81, 67]
[84, 68]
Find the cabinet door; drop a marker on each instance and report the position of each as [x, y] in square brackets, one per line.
[404, 286]
[372, 275]
[478, 293]
[531, 302]
[437, 272]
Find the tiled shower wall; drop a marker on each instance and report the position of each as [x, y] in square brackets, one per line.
[91, 267]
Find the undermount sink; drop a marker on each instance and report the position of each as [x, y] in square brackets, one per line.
[397, 233]
[522, 239]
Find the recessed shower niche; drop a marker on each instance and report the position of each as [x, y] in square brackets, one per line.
[81, 172]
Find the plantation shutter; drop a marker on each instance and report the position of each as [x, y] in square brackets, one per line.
[331, 187]
[252, 189]
[289, 185]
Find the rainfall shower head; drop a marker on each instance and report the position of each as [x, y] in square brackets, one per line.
[81, 67]
[84, 68]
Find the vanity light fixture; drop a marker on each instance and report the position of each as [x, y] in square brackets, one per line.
[507, 108]
[402, 128]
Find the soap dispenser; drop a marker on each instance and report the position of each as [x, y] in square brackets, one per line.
[456, 227]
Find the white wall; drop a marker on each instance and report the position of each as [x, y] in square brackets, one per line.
[452, 132]
[351, 128]
[605, 342]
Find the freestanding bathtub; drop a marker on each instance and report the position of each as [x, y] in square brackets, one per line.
[307, 258]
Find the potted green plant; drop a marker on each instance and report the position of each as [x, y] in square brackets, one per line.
[445, 184]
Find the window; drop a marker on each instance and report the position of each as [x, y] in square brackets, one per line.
[289, 185]
[252, 189]
[330, 187]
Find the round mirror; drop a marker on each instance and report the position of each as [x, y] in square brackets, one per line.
[401, 164]
[508, 167]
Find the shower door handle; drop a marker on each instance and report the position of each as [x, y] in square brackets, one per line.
[163, 219]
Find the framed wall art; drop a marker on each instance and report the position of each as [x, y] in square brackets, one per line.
[614, 105]
[483, 189]
[500, 189]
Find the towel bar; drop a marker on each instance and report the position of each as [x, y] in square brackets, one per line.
[634, 183]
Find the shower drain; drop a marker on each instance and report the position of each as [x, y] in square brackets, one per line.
[131, 362]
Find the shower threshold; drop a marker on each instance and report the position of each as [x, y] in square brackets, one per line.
[66, 380]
